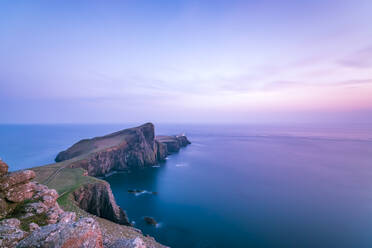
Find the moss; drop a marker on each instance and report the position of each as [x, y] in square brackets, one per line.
[40, 219]
[19, 210]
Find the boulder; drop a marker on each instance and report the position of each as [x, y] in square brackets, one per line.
[67, 217]
[10, 232]
[33, 227]
[150, 220]
[36, 208]
[19, 193]
[14, 178]
[4, 208]
[84, 233]
[54, 214]
[3, 168]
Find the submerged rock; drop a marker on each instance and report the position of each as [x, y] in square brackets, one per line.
[150, 220]
[135, 191]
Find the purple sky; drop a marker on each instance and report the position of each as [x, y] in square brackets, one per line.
[185, 61]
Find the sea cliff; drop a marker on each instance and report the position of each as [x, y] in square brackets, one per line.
[86, 200]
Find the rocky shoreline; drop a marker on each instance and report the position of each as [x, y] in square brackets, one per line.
[31, 213]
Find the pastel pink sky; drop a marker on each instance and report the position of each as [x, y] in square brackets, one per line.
[185, 61]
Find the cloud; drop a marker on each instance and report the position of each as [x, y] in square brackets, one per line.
[360, 59]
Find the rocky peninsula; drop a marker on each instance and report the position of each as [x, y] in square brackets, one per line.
[66, 205]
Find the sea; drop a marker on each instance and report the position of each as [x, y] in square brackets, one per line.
[268, 185]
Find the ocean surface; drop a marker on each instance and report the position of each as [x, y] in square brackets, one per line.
[235, 185]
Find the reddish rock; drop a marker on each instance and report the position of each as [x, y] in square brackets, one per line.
[4, 208]
[128, 243]
[82, 234]
[3, 168]
[10, 232]
[123, 150]
[33, 227]
[97, 199]
[20, 192]
[14, 178]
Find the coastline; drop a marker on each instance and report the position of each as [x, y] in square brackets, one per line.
[84, 177]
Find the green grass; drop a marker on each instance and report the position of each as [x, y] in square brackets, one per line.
[19, 211]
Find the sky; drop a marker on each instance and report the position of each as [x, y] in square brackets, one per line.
[185, 61]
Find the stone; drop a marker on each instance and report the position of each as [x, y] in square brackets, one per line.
[20, 192]
[4, 208]
[3, 168]
[150, 220]
[53, 214]
[67, 217]
[33, 227]
[10, 233]
[128, 243]
[84, 233]
[36, 208]
[14, 178]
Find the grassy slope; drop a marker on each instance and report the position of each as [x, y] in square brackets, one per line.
[67, 180]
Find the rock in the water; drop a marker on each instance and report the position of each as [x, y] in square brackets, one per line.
[84, 233]
[10, 232]
[3, 168]
[135, 191]
[150, 220]
[173, 143]
[128, 243]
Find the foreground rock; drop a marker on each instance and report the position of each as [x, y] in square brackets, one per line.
[84, 233]
[123, 150]
[33, 218]
[128, 243]
[10, 232]
[97, 199]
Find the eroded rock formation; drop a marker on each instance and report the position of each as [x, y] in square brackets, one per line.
[31, 216]
[97, 199]
[130, 148]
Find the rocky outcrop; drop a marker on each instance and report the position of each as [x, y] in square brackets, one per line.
[85, 233]
[173, 143]
[33, 218]
[10, 232]
[97, 199]
[123, 150]
[128, 243]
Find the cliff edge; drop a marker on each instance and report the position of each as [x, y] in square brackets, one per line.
[120, 151]
[74, 176]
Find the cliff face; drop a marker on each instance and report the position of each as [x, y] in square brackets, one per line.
[173, 143]
[97, 199]
[123, 150]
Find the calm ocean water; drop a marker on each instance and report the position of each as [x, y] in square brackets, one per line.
[235, 186]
